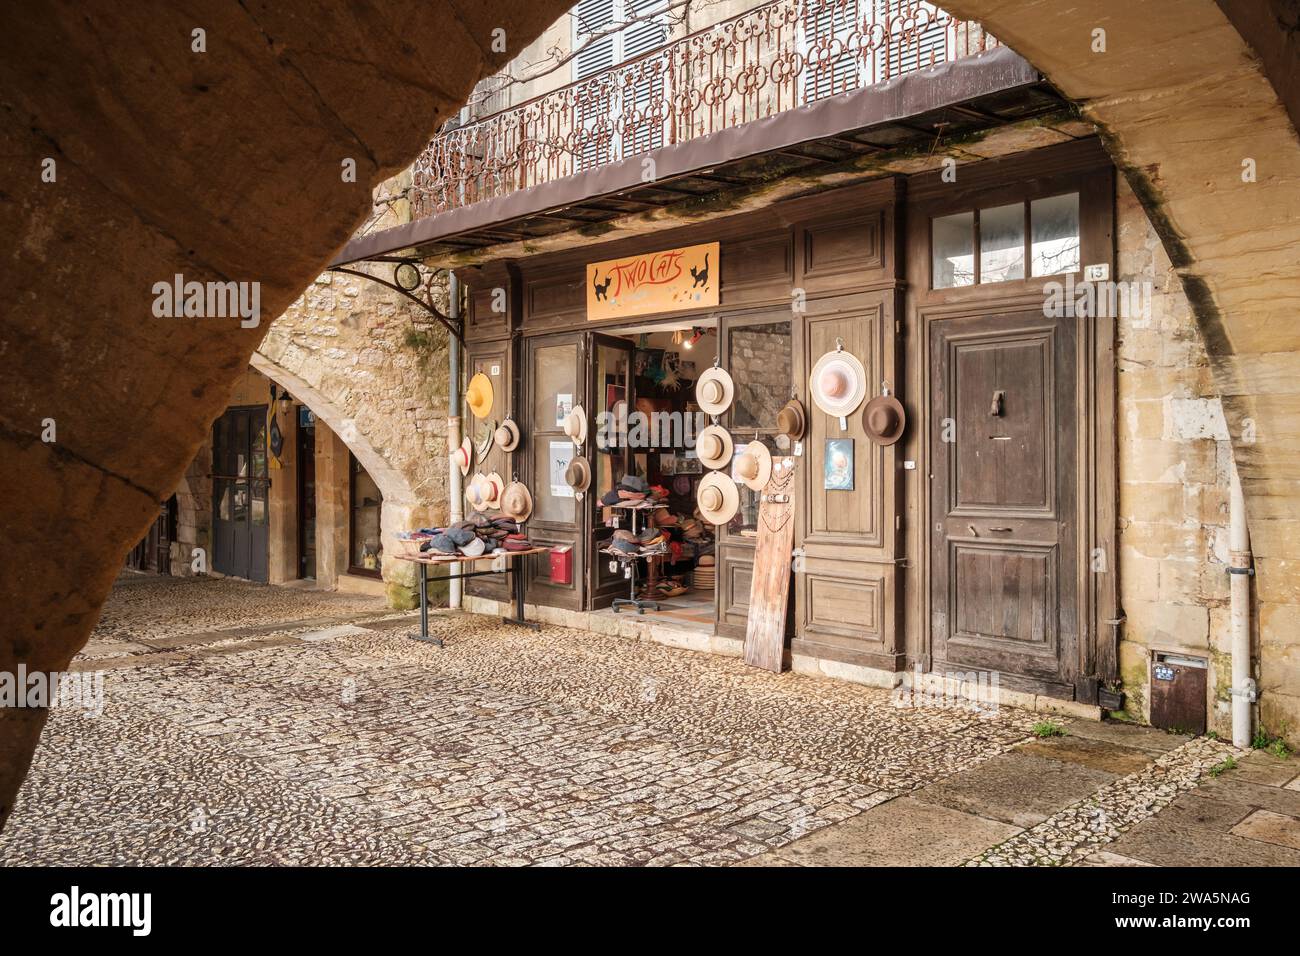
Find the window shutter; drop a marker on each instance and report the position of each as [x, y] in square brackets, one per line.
[826, 22]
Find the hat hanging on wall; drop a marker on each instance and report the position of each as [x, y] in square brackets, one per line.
[484, 439]
[884, 418]
[578, 475]
[718, 498]
[479, 395]
[713, 446]
[462, 456]
[791, 421]
[507, 435]
[517, 501]
[575, 425]
[714, 391]
[476, 492]
[838, 383]
[753, 466]
[494, 486]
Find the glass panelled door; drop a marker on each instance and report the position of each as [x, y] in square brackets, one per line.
[240, 520]
[556, 384]
[611, 402]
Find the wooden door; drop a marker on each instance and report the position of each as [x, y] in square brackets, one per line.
[611, 384]
[555, 381]
[1004, 537]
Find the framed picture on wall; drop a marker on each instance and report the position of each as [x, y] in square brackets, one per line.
[838, 465]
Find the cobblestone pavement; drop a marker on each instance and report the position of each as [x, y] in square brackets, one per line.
[272, 733]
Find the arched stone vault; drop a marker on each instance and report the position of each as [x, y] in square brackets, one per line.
[220, 164]
[225, 165]
[1183, 101]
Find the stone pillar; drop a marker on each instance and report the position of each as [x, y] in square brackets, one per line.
[331, 506]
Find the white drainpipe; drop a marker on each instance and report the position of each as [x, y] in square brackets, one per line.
[454, 484]
[1243, 685]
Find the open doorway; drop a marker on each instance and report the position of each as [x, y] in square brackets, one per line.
[651, 554]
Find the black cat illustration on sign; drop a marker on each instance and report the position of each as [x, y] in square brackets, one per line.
[701, 276]
[602, 288]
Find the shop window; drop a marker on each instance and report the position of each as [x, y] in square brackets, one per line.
[366, 551]
[758, 357]
[1054, 225]
[1002, 243]
[1000, 234]
[953, 250]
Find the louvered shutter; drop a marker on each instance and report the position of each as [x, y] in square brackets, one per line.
[910, 48]
[594, 56]
[645, 111]
[824, 23]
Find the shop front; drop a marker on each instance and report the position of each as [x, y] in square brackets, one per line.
[847, 422]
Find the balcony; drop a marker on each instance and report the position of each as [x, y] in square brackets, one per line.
[776, 57]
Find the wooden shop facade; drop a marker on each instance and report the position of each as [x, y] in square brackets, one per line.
[983, 539]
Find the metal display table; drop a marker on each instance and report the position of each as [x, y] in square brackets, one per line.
[424, 562]
[630, 560]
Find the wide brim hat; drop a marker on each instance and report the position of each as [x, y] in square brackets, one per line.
[754, 454]
[714, 391]
[707, 438]
[575, 425]
[578, 474]
[476, 492]
[838, 383]
[791, 420]
[478, 397]
[884, 419]
[507, 435]
[717, 497]
[495, 485]
[517, 501]
[463, 456]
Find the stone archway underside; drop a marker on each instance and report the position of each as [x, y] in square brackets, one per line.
[225, 165]
[218, 165]
[1183, 101]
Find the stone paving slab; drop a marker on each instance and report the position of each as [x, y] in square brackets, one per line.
[1269, 827]
[903, 832]
[1128, 735]
[1165, 843]
[1108, 757]
[1016, 788]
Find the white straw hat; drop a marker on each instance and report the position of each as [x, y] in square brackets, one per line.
[714, 391]
[718, 498]
[838, 383]
[753, 466]
[575, 425]
[713, 446]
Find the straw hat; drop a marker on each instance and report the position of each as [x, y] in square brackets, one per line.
[578, 474]
[479, 395]
[484, 491]
[884, 419]
[791, 420]
[575, 425]
[507, 435]
[494, 485]
[462, 456]
[713, 445]
[838, 383]
[714, 391]
[517, 502]
[753, 466]
[717, 497]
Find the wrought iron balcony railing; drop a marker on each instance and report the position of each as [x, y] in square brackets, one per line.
[775, 57]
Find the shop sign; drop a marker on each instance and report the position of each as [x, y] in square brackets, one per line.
[670, 281]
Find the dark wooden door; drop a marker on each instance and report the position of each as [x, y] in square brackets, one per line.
[612, 384]
[1004, 539]
[240, 519]
[555, 381]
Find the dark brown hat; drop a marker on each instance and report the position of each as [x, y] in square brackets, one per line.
[884, 419]
[791, 420]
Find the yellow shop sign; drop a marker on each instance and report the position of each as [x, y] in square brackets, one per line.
[670, 281]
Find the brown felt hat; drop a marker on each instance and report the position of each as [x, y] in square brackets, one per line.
[791, 420]
[884, 419]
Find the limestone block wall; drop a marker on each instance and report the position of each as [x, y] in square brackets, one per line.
[1174, 468]
[373, 367]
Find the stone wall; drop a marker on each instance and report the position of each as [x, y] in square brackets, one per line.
[373, 367]
[1174, 471]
